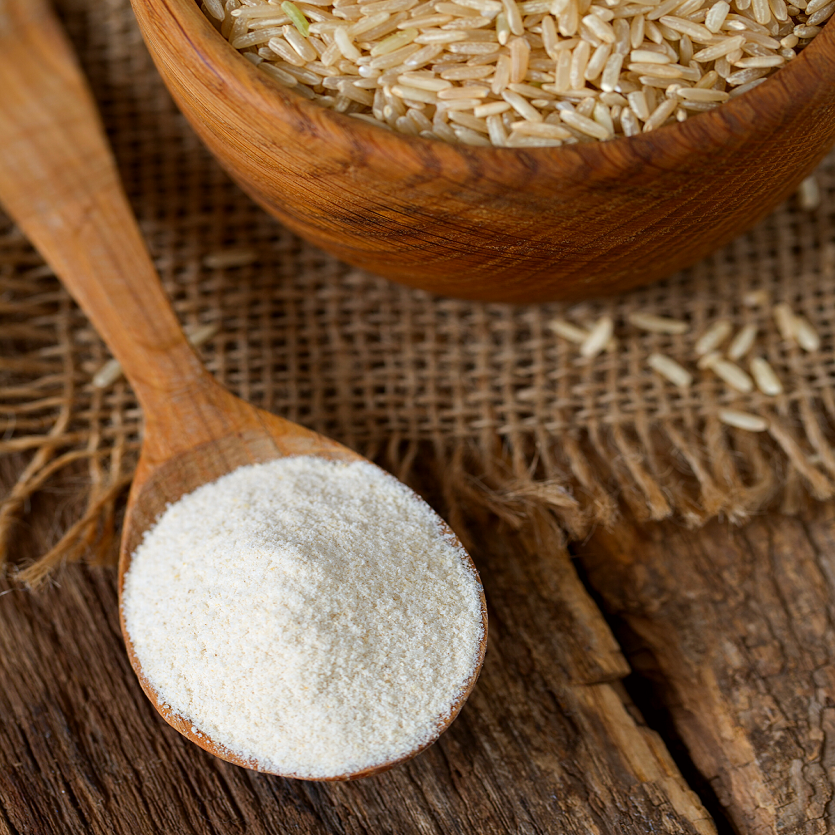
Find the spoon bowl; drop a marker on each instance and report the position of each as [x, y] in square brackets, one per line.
[247, 436]
[58, 180]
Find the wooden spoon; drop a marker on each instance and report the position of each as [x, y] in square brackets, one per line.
[59, 181]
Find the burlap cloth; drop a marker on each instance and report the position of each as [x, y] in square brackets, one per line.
[501, 411]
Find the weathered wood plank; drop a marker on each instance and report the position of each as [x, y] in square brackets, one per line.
[736, 629]
[545, 744]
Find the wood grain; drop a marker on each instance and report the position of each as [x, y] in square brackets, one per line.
[544, 745]
[732, 630]
[735, 629]
[498, 224]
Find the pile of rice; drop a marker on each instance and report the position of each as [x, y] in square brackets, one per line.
[519, 74]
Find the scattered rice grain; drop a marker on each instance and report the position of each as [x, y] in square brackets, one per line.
[743, 420]
[742, 343]
[567, 330]
[784, 319]
[708, 360]
[658, 324]
[733, 375]
[765, 377]
[669, 368]
[808, 194]
[713, 337]
[805, 335]
[755, 298]
[111, 371]
[598, 337]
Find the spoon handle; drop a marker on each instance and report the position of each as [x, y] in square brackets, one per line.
[59, 181]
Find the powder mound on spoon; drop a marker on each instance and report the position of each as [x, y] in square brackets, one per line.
[309, 616]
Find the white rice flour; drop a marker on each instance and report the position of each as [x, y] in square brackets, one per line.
[307, 615]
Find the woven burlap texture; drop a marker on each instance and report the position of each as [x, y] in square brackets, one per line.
[502, 411]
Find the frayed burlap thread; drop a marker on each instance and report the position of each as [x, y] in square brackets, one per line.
[505, 415]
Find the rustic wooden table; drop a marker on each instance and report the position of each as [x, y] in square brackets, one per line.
[652, 680]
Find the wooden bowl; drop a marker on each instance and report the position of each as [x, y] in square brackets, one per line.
[498, 224]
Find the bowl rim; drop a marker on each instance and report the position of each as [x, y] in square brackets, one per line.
[756, 111]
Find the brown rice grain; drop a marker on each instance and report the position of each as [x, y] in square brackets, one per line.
[405, 91]
[808, 194]
[742, 343]
[657, 324]
[424, 81]
[423, 56]
[603, 116]
[568, 21]
[521, 106]
[716, 16]
[462, 117]
[540, 129]
[743, 420]
[493, 108]
[755, 298]
[457, 104]
[280, 75]
[784, 319]
[562, 74]
[568, 330]
[699, 95]
[600, 28]
[585, 125]
[764, 376]
[215, 9]
[820, 16]
[466, 73]
[735, 79]
[663, 9]
[310, 78]
[638, 104]
[468, 92]
[744, 88]
[805, 335]
[496, 130]
[299, 43]
[733, 375]
[629, 123]
[424, 22]
[713, 337]
[470, 137]
[708, 360]
[598, 337]
[696, 31]
[611, 72]
[529, 91]
[440, 36]
[197, 334]
[779, 10]
[579, 59]
[597, 62]
[711, 53]
[660, 114]
[667, 367]
[362, 27]
[760, 62]
[467, 23]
